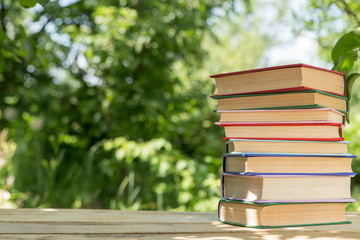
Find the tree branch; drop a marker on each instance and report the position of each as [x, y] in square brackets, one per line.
[3, 13]
[349, 11]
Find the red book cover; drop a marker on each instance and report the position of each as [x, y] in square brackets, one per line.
[234, 124]
[273, 68]
[294, 89]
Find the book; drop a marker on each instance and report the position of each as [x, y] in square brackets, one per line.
[282, 100]
[242, 146]
[290, 163]
[271, 215]
[286, 187]
[280, 78]
[284, 131]
[320, 115]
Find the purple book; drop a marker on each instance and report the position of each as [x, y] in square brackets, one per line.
[272, 188]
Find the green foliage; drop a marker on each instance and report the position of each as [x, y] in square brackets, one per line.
[32, 3]
[350, 80]
[102, 72]
[27, 3]
[108, 105]
[345, 55]
[42, 2]
[345, 51]
[328, 20]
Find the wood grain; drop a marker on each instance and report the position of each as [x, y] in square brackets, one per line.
[109, 224]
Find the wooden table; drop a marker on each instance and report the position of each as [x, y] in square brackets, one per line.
[110, 224]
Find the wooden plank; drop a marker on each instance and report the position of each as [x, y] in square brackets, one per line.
[149, 228]
[94, 215]
[109, 224]
[74, 227]
[214, 236]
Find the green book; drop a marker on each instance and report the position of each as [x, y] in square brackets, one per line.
[283, 100]
[278, 215]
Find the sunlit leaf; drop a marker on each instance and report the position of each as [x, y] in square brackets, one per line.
[27, 3]
[346, 44]
[346, 62]
[350, 82]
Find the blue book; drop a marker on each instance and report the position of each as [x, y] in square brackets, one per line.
[274, 163]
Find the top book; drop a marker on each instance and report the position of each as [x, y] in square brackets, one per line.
[295, 77]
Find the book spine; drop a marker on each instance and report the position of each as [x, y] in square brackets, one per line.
[218, 212]
[222, 186]
[224, 164]
[341, 132]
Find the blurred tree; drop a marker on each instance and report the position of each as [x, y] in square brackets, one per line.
[107, 104]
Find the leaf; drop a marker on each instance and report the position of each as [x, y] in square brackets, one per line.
[248, 6]
[27, 3]
[43, 2]
[30, 48]
[350, 82]
[344, 55]
[350, 79]
[346, 62]
[346, 44]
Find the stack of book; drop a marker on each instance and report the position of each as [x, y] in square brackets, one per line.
[286, 162]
